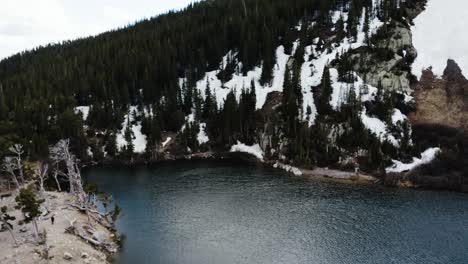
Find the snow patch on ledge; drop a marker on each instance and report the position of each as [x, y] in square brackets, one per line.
[255, 150]
[426, 157]
[84, 110]
[288, 168]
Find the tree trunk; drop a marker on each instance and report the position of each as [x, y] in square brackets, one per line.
[21, 176]
[12, 234]
[57, 181]
[36, 230]
[15, 180]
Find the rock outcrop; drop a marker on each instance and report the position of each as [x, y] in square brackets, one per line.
[442, 100]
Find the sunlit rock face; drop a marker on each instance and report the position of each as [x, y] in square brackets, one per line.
[442, 100]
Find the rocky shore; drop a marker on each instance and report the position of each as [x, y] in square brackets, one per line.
[72, 238]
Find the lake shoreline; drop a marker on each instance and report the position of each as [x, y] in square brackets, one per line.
[391, 180]
[316, 173]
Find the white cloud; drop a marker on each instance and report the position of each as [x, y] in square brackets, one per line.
[26, 24]
[439, 34]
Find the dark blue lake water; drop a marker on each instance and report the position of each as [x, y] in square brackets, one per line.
[206, 212]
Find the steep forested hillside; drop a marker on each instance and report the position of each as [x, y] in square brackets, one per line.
[308, 82]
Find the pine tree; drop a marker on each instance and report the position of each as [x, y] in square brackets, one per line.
[340, 29]
[230, 119]
[366, 25]
[325, 93]
[290, 106]
[111, 144]
[3, 106]
[209, 104]
[29, 205]
[128, 136]
[269, 59]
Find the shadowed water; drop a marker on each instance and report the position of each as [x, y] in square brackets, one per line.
[205, 212]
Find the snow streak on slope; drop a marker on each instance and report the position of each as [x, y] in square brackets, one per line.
[240, 81]
[439, 33]
[312, 69]
[341, 89]
[139, 140]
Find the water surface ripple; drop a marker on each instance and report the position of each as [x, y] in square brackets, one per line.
[205, 212]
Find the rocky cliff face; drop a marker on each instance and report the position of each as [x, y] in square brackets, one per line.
[442, 100]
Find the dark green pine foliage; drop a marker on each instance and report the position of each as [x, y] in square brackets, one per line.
[209, 105]
[324, 93]
[230, 117]
[128, 149]
[139, 65]
[152, 128]
[268, 58]
[156, 65]
[247, 108]
[290, 106]
[353, 19]
[111, 144]
[189, 136]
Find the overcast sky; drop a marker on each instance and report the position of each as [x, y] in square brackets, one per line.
[25, 24]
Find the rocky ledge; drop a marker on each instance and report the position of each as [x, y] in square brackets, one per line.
[442, 100]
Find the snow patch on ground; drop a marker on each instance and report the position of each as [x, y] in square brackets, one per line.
[288, 168]
[426, 157]
[84, 110]
[312, 69]
[240, 81]
[202, 136]
[439, 33]
[397, 116]
[255, 150]
[139, 140]
[90, 152]
[341, 89]
[378, 128]
[164, 144]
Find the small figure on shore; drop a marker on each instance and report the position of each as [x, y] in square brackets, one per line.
[52, 219]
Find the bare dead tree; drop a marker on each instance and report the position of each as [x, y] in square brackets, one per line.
[56, 173]
[60, 152]
[9, 166]
[17, 150]
[56, 163]
[41, 173]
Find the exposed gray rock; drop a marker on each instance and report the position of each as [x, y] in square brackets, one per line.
[67, 256]
[400, 38]
[100, 236]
